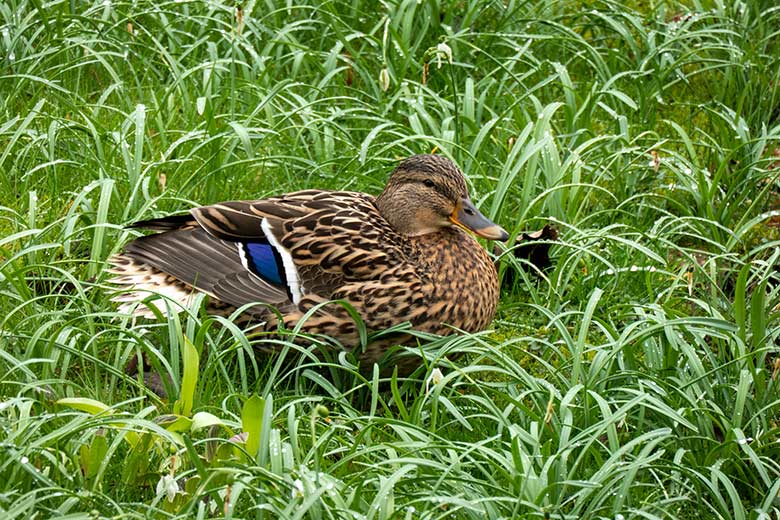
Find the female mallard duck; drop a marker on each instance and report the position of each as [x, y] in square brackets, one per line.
[400, 257]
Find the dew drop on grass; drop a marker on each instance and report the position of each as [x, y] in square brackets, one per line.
[11, 57]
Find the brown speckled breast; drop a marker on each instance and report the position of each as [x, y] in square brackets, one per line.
[463, 282]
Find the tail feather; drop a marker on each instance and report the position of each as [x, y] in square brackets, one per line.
[137, 281]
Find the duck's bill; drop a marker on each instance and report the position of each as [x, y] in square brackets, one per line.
[467, 216]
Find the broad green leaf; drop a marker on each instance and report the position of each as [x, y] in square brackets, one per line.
[204, 420]
[84, 404]
[190, 363]
[252, 422]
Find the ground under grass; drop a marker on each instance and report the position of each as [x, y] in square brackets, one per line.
[635, 378]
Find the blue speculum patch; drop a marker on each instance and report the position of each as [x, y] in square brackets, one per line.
[266, 262]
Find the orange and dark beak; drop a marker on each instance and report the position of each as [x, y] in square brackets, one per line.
[467, 216]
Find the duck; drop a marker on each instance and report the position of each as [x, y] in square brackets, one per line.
[408, 255]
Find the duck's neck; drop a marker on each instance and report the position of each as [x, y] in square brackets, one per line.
[400, 216]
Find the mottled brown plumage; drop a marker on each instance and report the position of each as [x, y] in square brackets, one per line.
[400, 257]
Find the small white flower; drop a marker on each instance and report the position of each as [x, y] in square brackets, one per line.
[168, 486]
[24, 460]
[297, 489]
[443, 51]
[435, 378]
[384, 80]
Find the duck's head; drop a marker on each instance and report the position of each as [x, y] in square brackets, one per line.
[427, 193]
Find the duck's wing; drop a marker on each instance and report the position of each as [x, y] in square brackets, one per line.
[193, 257]
[320, 240]
[273, 250]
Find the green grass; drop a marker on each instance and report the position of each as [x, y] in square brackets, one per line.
[638, 378]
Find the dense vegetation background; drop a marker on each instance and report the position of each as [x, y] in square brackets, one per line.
[636, 378]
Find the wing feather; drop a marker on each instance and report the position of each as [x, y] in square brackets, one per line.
[201, 260]
[327, 240]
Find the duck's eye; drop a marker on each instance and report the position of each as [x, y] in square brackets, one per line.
[429, 183]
